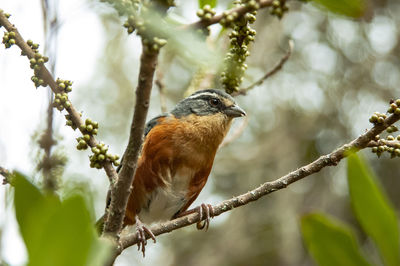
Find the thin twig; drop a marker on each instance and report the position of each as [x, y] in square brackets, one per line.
[121, 190]
[46, 142]
[269, 73]
[331, 159]
[237, 133]
[238, 10]
[49, 80]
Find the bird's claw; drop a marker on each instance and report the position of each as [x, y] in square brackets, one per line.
[205, 213]
[141, 230]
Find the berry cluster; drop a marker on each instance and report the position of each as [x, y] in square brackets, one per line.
[36, 63]
[229, 18]
[278, 8]
[9, 39]
[240, 38]
[5, 14]
[69, 122]
[64, 85]
[88, 130]
[394, 107]
[206, 13]
[140, 22]
[101, 155]
[61, 101]
[155, 44]
[377, 118]
[90, 127]
[390, 145]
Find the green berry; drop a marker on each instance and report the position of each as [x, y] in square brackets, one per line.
[95, 150]
[104, 150]
[86, 137]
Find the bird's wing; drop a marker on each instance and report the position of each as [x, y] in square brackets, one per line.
[149, 126]
[152, 123]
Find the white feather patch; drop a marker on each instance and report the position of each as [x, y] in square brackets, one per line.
[167, 201]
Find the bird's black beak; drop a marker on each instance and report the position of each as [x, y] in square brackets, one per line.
[234, 111]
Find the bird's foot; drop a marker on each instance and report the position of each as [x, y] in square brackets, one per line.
[141, 230]
[205, 212]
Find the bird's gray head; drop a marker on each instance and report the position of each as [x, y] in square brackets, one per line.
[208, 102]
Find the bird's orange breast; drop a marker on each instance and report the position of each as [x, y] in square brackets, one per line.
[175, 162]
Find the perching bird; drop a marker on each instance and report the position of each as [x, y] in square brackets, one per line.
[176, 159]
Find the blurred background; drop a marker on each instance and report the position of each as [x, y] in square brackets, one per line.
[341, 71]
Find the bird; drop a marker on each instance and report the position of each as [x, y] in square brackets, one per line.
[176, 159]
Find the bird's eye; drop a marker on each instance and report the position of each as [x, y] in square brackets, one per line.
[214, 102]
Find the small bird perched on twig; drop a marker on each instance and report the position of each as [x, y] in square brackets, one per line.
[176, 159]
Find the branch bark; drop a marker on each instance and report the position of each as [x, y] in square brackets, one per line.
[330, 159]
[122, 188]
[48, 79]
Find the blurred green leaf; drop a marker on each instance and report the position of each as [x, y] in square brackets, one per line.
[56, 232]
[373, 210]
[211, 3]
[350, 8]
[33, 210]
[189, 44]
[330, 242]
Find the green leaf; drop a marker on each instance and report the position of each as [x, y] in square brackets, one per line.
[350, 8]
[68, 231]
[330, 242]
[211, 3]
[57, 232]
[373, 210]
[32, 210]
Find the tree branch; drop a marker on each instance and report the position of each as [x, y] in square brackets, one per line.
[47, 141]
[269, 73]
[48, 79]
[122, 188]
[238, 10]
[326, 160]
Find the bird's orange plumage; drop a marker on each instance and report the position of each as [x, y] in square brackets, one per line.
[174, 149]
